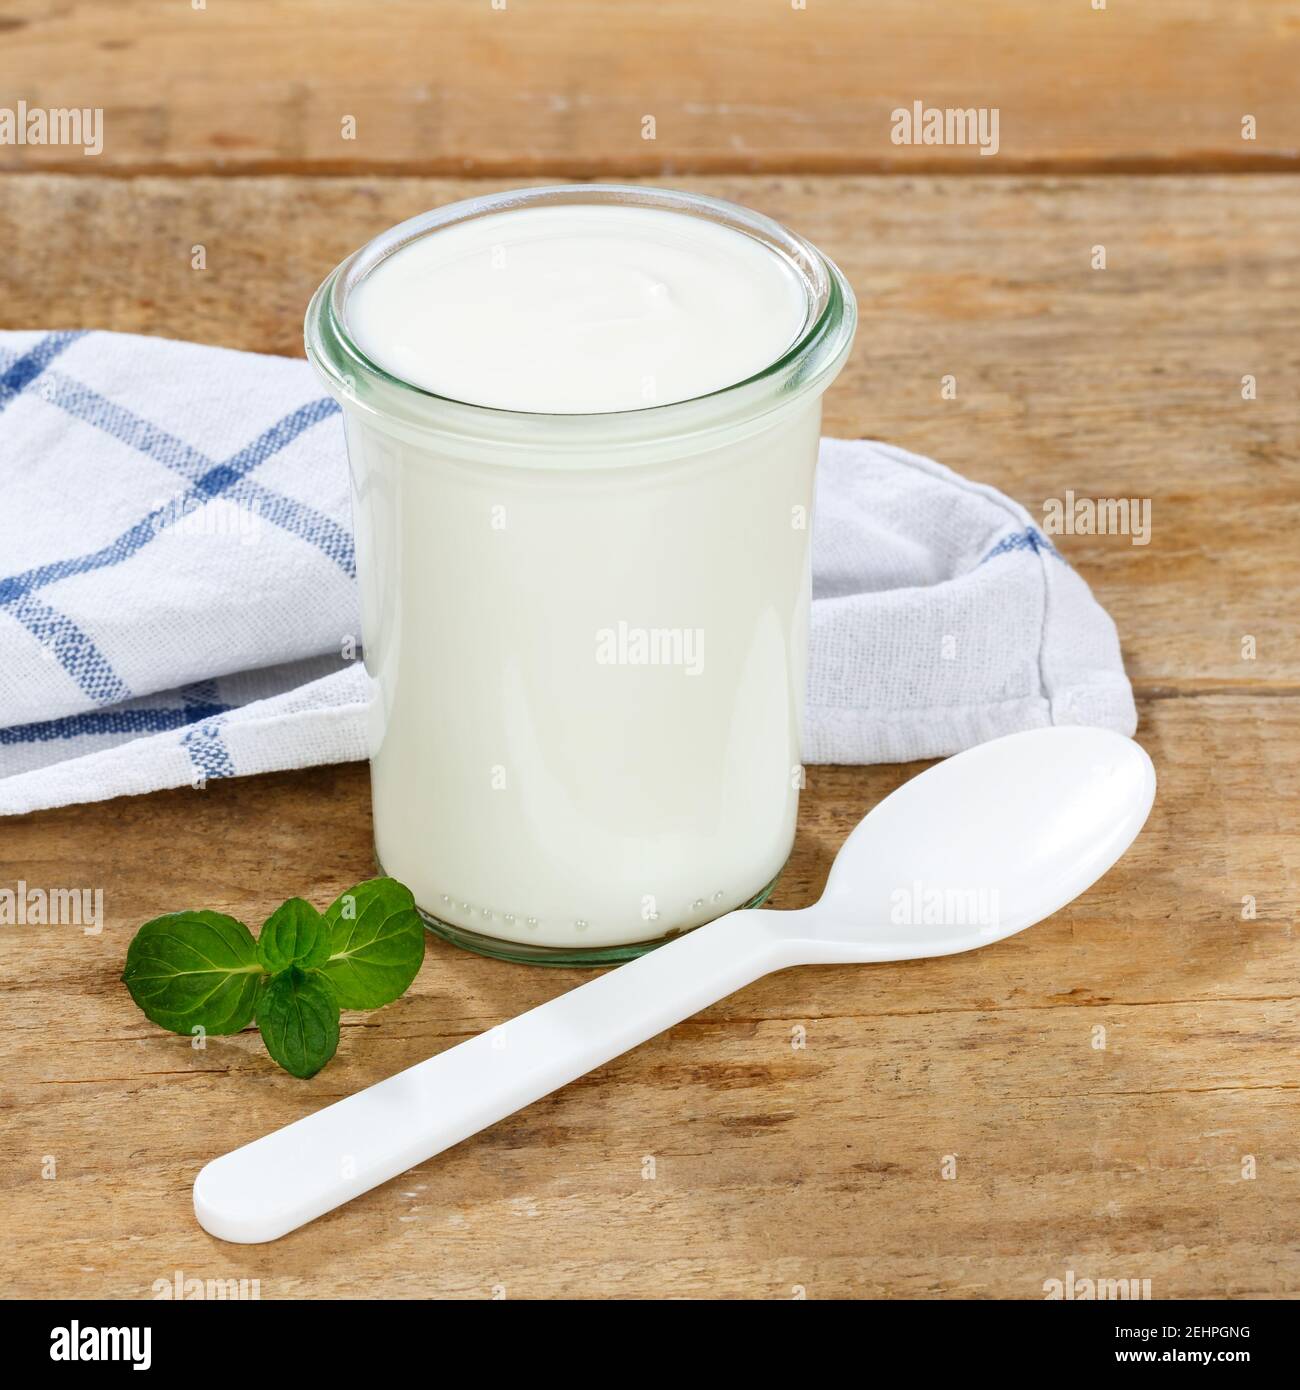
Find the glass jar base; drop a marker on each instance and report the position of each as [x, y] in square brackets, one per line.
[521, 953]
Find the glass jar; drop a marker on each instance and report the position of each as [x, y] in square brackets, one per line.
[586, 634]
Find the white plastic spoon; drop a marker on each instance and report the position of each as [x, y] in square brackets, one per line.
[975, 849]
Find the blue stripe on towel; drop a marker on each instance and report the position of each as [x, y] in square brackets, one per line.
[19, 585]
[210, 756]
[77, 654]
[213, 482]
[268, 443]
[109, 721]
[75, 650]
[208, 753]
[297, 518]
[1029, 539]
[85, 404]
[24, 370]
[199, 693]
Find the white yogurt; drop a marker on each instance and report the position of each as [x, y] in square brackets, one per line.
[578, 309]
[587, 634]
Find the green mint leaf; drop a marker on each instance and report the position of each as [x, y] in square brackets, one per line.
[192, 970]
[294, 934]
[299, 1019]
[376, 943]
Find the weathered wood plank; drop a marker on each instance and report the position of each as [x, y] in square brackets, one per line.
[524, 87]
[1123, 382]
[775, 1166]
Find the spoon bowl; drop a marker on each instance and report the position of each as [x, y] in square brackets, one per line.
[975, 849]
[980, 846]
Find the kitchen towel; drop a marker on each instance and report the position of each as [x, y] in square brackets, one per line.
[178, 585]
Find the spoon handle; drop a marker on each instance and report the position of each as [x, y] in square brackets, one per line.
[290, 1177]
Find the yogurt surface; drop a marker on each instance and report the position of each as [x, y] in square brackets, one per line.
[578, 309]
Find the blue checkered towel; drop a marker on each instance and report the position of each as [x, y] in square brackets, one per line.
[178, 587]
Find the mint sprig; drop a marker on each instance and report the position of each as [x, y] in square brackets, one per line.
[191, 971]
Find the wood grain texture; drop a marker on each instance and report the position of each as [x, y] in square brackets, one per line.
[775, 1167]
[546, 86]
[1125, 382]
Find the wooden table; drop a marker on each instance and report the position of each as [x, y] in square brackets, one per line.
[1120, 1087]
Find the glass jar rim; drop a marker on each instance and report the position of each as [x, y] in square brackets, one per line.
[808, 363]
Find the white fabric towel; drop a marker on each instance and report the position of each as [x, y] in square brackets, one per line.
[177, 585]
